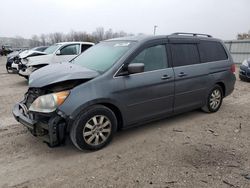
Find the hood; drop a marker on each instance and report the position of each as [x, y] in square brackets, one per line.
[30, 53]
[39, 60]
[13, 54]
[60, 72]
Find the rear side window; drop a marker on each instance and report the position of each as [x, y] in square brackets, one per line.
[211, 51]
[184, 54]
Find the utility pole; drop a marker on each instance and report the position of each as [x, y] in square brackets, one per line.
[155, 29]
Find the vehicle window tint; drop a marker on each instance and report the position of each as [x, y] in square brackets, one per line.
[85, 47]
[211, 51]
[184, 54]
[70, 50]
[153, 58]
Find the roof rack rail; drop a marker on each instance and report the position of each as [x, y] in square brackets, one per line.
[193, 34]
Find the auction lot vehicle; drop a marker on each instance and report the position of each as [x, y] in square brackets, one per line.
[14, 59]
[244, 72]
[124, 82]
[6, 49]
[59, 52]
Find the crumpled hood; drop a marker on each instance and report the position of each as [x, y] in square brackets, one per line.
[30, 53]
[59, 72]
[39, 60]
[13, 54]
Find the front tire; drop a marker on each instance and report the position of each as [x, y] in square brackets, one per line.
[214, 100]
[94, 128]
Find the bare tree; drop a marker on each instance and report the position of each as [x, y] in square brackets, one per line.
[34, 41]
[19, 41]
[108, 34]
[43, 39]
[98, 34]
[51, 38]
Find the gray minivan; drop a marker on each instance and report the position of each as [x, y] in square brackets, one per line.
[125, 82]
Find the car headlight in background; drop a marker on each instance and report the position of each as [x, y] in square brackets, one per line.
[49, 103]
[245, 63]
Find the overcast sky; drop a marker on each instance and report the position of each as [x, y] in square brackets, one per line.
[220, 18]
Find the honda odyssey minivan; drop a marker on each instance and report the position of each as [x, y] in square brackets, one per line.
[123, 82]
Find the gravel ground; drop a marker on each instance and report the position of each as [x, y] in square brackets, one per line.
[194, 149]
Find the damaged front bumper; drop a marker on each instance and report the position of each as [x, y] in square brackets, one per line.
[25, 71]
[50, 127]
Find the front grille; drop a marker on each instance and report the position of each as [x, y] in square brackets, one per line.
[22, 67]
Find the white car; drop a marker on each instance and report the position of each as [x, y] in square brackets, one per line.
[59, 52]
[25, 54]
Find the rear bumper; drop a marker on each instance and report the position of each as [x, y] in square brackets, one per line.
[52, 131]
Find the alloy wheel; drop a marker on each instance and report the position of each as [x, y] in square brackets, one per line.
[97, 130]
[215, 99]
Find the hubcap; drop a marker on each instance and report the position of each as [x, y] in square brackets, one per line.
[215, 99]
[97, 130]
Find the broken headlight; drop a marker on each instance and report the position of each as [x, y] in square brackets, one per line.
[48, 103]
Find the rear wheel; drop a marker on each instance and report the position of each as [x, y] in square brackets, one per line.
[214, 100]
[94, 128]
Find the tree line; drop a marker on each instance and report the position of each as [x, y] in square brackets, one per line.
[98, 35]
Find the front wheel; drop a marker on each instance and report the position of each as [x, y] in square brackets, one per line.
[9, 69]
[94, 128]
[214, 100]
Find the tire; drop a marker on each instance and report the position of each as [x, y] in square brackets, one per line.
[8, 69]
[214, 100]
[96, 121]
[244, 79]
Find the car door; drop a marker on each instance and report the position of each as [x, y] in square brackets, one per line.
[67, 53]
[150, 93]
[191, 77]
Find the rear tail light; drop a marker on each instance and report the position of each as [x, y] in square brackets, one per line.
[233, 68]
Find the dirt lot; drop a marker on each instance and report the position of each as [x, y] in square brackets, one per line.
[190, 150]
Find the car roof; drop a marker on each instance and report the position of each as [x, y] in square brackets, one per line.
[144, 38]
[75, 42]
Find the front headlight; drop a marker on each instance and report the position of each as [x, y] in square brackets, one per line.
[48, 103]
[245, 63]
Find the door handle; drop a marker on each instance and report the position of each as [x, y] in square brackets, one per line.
[182, 74]
[165, 77]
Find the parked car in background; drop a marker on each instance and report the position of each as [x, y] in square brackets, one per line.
[14, 59]
[244, 72]
[5, 50]
[11, 58]
[124, 82]
[59, 52]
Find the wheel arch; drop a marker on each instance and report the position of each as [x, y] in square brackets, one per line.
[117, 112]
[113, 106]
[223, 87]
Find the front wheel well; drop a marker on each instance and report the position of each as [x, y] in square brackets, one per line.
[117, 112]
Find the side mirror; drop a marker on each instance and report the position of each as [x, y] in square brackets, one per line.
[58, 52]
[135, 68]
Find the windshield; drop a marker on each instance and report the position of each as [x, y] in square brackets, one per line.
[51, 49]
[103, 55]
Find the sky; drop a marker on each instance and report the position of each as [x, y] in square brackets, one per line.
[220, 18]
